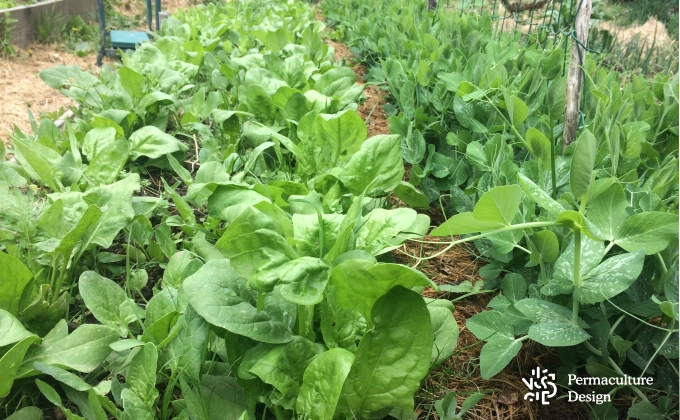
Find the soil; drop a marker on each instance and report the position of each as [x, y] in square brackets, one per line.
[370, 110]
[21, 87]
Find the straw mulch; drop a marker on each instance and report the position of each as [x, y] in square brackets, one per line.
[21, 87]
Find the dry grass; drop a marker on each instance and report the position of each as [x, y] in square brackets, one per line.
[20, 84]
[21, 87]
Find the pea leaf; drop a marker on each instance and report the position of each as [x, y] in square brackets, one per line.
[490, 325]
[557, 334]
[606, 211]
[583, 164]
[613, 276]
[498, 205]
[514, 287]
[463, 223]
[497, 354]
[545, 245]
[540, 197]
[650, 231]
[539, 146]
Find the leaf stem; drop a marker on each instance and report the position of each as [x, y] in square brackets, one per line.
[662, 263]
[60, 280]
[577, 274]
[305, 318]
[488, 233]
[260, 301]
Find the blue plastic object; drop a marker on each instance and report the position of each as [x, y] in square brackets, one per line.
[124, 40]
[127, 40]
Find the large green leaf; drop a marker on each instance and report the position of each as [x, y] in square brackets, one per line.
[223, 397]
[116, 200]
[322, 383]
[335, 138]
[63, 376]
[27, 413]
[308, 233]
[222, 297]
[392, 358]
[11, 330]
[650, 231]
[583, 164]
[376, 167]
[340, 327]
[108, 163]
[381, 226]
[70, 240]
[107, 301]
[14, 277]
[10, 363]
[260, 256]
[359, 283]
[82, 350]
[141, 375]
[304, 280]
[132, 82]
[151, 142]
[185, 352]
[281, 366]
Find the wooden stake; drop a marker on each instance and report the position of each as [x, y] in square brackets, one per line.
[575, 77]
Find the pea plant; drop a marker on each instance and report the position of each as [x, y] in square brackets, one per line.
[208, 238]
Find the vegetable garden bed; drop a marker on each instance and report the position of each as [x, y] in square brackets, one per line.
[215, 234]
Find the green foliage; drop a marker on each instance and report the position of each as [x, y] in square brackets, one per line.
[480, 119]
[215, 207]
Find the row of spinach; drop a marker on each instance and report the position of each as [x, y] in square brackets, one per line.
[581, 242]
[208, 237]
